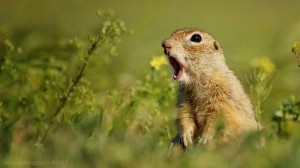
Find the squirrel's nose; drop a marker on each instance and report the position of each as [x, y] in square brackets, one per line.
[167, 46]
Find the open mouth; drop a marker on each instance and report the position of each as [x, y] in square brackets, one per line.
[178, 68]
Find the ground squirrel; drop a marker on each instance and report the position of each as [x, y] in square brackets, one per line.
[208, 90]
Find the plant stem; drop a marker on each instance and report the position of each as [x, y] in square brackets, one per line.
[70, 89]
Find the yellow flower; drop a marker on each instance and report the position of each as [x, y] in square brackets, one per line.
[295, 46]
[264, 64]
[158, 61]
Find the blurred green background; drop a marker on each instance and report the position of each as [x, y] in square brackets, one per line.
[245, 29]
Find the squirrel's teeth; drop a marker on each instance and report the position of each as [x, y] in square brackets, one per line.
[176, 67]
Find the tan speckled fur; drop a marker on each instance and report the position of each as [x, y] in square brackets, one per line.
[209, 92]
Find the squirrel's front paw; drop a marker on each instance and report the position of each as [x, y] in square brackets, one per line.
[205, 138]
[187, 138]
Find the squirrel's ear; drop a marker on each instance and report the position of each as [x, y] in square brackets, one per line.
[216, 45]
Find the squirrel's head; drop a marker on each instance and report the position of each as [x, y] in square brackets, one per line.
[190, 51]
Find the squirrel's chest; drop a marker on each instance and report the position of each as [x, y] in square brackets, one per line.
[204, 95]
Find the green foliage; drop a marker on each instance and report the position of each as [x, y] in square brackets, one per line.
[143, 103]
[51, 116]
[45, 104]
[287, 117]
[35, 92]
[259, 81]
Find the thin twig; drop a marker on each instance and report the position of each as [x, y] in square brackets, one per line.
[70, 89]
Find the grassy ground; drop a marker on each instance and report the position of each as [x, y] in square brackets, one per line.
[81, 90]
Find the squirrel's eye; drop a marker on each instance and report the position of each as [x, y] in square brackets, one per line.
[196, 38]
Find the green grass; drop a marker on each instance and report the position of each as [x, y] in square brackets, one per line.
[70, 99]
